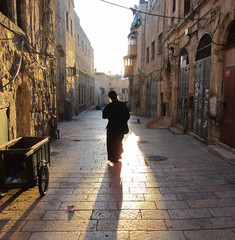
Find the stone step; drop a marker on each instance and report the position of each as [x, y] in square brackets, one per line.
[158, 123]
[229, 148]
[176, 131]
[222, 153]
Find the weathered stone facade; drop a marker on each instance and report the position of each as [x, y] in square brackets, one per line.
[27, 77]
[193, 46]
[105, 83]
[85, 62]
[75, 63]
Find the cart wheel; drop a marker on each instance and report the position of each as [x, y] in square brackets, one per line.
[43, 180]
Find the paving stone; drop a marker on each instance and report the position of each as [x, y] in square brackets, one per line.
[114, 198]
[85, 185]
[107, 235]
[226, 194]
[90, 205]
[58, 191]
[204, 203]
[100, 191]
[177, 189]
[11, 226]
[131, 225]
[137, 205]
[171, 204]
[55, 235]
[28, 206]
[15, 235]
[201, 223]
[188, 196]
[13, 215]
[222, 212]
[66, 215]
[216, 188]
[105, 197]
[59, 226]
[131, 185]
[159, 197]
[217, 234]
[145, 190]
[162, 184]
[157, 235]
[67, 198]
[189, 213]
[154, 214]
[116, 215]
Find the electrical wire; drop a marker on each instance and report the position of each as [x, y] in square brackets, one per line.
[153, 14]
[18, 70]
[217, 26]
[206, 25]
[26, 40]
[117, 5]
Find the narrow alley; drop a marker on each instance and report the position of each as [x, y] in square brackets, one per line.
[165, 187]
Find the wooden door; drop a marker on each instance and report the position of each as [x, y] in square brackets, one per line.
[228, 127]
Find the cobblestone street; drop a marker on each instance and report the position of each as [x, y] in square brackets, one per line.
[166, 187]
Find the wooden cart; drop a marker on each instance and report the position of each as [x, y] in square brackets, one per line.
[24, 162]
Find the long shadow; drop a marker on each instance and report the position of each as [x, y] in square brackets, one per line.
[8, 234]
[107, 205]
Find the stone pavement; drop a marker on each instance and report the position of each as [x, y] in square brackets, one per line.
[166, 187]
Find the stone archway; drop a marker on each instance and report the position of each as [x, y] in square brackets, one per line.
[23, 111]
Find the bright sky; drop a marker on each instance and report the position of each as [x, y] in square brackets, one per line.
[107, 28]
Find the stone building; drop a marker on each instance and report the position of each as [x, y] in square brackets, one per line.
[27, 75]
[188, 50]
[104, 83]
[75, 62]
[85, 62]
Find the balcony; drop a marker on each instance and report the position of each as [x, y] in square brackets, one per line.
[128, 66]
[132, 50]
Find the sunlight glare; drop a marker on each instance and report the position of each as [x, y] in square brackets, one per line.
[132, 153]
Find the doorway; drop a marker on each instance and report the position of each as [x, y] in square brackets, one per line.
[202, 87]
[183, 89]
[228, 126]
[23, 111]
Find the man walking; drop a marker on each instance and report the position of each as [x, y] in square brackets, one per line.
[117, 114]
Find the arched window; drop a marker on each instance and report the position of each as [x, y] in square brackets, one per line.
[204, 47]
[183, 58]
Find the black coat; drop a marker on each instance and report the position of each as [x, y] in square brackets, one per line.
[117, 114]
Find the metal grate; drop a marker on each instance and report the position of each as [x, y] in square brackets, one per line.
[156, 158]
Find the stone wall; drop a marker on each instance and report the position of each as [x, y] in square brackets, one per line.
[85, 63]
[107, 83]
[184, 29]
[27, 62]
[75, 62]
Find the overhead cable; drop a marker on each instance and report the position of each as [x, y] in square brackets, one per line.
[18, 69]
[153, 14]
